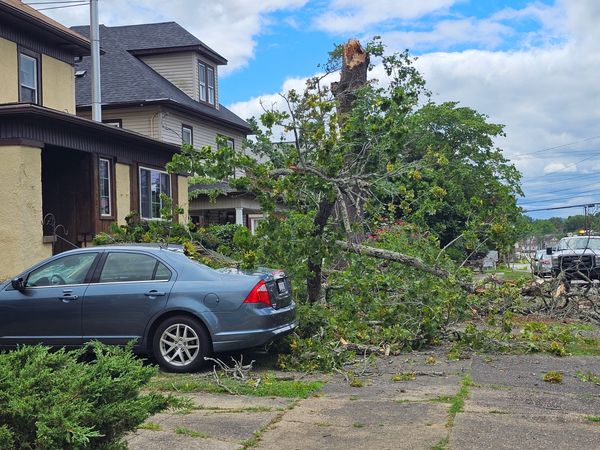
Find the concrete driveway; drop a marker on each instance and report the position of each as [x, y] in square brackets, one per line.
[486, 402]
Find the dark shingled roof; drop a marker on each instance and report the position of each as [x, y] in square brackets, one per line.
[128, 80]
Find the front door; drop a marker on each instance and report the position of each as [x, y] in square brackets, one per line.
[48, 310]
[131, 289]
[67, 197]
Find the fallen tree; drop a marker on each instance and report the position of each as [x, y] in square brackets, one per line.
[411, 261]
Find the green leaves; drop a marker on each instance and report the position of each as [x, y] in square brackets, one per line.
[52, 400]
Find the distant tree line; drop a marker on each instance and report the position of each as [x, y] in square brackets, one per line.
[561, 226]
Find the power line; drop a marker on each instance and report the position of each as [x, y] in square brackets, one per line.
[54, 2]
[575, 188]
[557, 146]
[562, 207]
[61, 7]
[565, 167]
[575, 177]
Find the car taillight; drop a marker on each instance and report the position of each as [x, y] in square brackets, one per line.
[259, 294]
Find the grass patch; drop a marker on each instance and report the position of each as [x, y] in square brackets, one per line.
[457, 403]
[443, 399]
[256, 436]
[357, 383]
[595, 419]
[149, 426]
[404, 376]
[584, 347]
[441, 445]
[191, 433]
[269, 386]
[323, 424]
[248, 409]
[553, 377]
[431, 361]
[502, 334]
[588, 377]
[508, 274]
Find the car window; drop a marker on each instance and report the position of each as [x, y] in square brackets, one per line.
[70, 269]
[162, 273]
[120, 267]
[579, 244]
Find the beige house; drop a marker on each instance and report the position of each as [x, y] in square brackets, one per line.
[63, 178]
[161, 81]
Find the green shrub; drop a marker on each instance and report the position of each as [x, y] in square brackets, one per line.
[51, 400]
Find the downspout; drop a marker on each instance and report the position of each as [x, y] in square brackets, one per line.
[95, 39]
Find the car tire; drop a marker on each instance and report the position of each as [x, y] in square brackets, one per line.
[180, 344]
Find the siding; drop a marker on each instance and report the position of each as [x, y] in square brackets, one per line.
[178, 68]
[205, 133]
[144, 120]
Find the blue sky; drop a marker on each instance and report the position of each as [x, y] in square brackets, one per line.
[530, 65]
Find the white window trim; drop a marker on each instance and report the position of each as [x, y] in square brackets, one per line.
[211, 90]
[109, 188]
[140, 189]
[202, 85]
[36, 70]
[191, 130]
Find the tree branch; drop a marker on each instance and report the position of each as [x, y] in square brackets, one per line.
[403, 259]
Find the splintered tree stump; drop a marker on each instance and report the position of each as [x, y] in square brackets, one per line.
[355, 64]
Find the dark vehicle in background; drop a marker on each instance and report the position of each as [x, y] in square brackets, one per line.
[542, 264]
[577, 257]
[175, 308]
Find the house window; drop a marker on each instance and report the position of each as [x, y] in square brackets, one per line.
[105, 191]
[118, 123]
[187, 135]
[206, 81]
[28, 78]
[152, 184]
[202, 81]
[210, 72]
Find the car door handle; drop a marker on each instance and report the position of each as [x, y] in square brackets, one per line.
[66, 298]
[154, 293]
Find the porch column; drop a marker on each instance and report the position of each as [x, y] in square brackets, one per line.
[21, 209]
[239, 216]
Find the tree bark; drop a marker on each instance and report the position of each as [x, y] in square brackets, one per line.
[353, 76]
[314, 278]
[403, 259]
[355, 64]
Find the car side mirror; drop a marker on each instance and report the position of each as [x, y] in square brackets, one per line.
[548, 250]
[18, 284]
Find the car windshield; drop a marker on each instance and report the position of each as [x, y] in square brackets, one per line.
[579, 244]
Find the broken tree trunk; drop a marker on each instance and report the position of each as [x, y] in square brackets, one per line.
[353, 76]
[355, 62]
[411, 261]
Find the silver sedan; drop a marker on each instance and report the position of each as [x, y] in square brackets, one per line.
[173, 307]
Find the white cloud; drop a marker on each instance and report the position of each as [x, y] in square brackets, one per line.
[560, 167]
[355, 15]
[545, 91]
[448, 33]
[228, 26]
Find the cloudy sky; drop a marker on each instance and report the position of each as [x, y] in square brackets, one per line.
[533, 66]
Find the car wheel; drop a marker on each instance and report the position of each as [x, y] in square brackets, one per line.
[180, 344]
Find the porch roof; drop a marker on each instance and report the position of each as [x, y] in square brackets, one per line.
[29, 124]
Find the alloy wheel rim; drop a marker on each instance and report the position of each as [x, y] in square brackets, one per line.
[179, 344]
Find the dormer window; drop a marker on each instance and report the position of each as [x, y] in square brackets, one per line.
[211, 85]
[28, 78]
[206, 83]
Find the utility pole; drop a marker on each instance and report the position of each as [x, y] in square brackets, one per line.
[95, 38]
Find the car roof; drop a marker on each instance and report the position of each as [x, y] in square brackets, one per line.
[153, 248]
